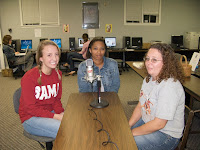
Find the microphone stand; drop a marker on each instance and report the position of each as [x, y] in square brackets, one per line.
[99, 103]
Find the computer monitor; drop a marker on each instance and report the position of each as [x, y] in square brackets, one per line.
[26, 43]
[110, 41]
[137, 42]
[43, 39]
[177, 40]
[57, 41]
[80, 42]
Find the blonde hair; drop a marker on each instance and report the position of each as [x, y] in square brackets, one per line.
[39, 54]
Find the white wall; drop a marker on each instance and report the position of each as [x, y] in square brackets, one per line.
[2, 65]
[178, 17]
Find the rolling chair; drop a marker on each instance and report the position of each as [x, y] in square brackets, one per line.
[17, 69]
[120, 65]
[39, 139]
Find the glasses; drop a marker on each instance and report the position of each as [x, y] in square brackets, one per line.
[153, 60]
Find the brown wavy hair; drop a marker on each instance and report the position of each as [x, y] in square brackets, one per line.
[6, 39]
[171, 65]
[39, 54]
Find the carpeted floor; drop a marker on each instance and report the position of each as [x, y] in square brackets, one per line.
[11, 136]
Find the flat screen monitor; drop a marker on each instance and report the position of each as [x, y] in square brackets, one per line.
[26, 43]
[80, 42]
[110, 41]
[137, 42]
[57, 41]
[177, 40]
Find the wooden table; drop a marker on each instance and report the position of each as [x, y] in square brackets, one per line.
[191, 84]
[78, 129]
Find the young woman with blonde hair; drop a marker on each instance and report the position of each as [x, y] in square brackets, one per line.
[40, 108]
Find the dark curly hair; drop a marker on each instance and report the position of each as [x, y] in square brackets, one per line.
[101, 39]
[171, 65]
[85, 37]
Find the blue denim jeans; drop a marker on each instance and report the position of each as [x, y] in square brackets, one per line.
[40, 126]
[70, 61]
[154, 141]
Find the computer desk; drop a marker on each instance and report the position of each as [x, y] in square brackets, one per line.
[79, 129]
[191, 84]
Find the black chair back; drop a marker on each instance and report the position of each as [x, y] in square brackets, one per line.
[16, 100]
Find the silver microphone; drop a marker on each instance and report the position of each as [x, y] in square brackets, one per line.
[90, 77]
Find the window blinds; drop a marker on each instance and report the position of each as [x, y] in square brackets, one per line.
[151, 7]
[133, 10]
[49, 11]
[30, 12]
[40, 12]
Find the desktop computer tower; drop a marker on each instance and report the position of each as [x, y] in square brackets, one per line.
[191, 40]
[16, 45]
[126, 42]
[72, 43]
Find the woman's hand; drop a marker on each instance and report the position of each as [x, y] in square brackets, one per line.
[58, 116]
[17, 53]
[150, 127]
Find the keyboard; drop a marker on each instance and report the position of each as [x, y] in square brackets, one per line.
[129, 49]
[196, 75]
[20, 54]
[114, 48]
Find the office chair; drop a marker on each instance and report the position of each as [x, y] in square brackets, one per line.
[18, 68]
[120, 65]
[189, 114]
[39, 139]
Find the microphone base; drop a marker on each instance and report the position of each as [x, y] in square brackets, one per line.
[102, 104]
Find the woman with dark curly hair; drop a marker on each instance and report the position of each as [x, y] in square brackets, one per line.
[157, 121]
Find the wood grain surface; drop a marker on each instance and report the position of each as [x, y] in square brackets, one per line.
[78, 129]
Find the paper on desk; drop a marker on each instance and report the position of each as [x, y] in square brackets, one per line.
[138, 65]
[194, 61]
[129, 49]
[20, 54]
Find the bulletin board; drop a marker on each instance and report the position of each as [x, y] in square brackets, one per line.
[90, 13]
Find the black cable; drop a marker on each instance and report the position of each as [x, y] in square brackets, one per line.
[101, 125]
[93, 112]
[111, 143]
[107, 135]
[109, 140]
